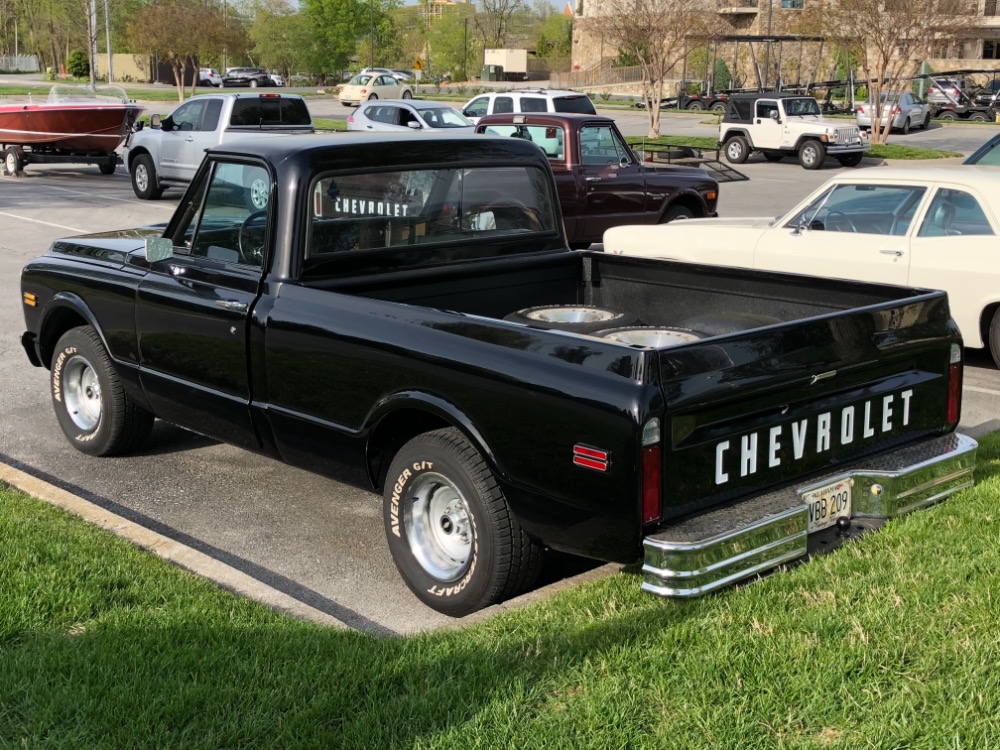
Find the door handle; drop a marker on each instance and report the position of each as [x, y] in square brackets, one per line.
[189, 139]
[592, 179]
[895, 253]
[233, 305]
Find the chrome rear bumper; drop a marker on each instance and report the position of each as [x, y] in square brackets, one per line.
[723, 546]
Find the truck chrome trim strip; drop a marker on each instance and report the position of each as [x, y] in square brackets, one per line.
[707, 552]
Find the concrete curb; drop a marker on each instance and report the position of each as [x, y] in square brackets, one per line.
[168, 549]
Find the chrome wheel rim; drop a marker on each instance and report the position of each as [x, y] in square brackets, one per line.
[141, 177]
[439, 526]
[11, 163]
[734, 150]
[81, 393]
[570, 314]
[258, 193]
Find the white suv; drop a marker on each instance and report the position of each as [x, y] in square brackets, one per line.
[528, 100]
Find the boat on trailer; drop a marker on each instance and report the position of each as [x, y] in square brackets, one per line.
[75, 124]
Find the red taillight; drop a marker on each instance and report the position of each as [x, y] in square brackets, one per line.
[364, 91]
[652, 478]
[955, 385]
[350, 118]
[897, 111]
[861, 110]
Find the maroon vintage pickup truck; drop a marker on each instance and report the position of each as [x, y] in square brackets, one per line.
[601, 181]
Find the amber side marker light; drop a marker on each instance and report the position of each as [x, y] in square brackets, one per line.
[30, 299]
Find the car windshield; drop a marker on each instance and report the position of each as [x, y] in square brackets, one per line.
[360, 80]
[804, 106]
[444, 117]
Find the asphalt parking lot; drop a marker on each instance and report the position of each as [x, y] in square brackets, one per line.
[313, 538]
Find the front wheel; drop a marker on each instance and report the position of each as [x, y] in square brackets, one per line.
[407, 94]
[94, 410]
[373, 97]
[906, 126]
[677, 212]
[811, 155]
[144, 178]
[253, 84]
[737, 149]
[993, 342]
[979, 117]
[927, 122]
[451, 534]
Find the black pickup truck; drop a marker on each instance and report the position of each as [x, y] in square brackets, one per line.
[419, 326]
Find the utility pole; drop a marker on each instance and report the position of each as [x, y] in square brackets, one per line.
[107, 37]
[465, 51]
[92, 39]
[371, 37]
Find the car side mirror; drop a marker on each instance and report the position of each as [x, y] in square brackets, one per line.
[159, 248]
[773, 114]
[413, 125]
[155, 121]
[624, 162]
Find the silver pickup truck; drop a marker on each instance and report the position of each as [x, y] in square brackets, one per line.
[171, 149]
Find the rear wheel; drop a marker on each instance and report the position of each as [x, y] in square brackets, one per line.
[94, 410]
[906, 126]
[718, 107]
[253, 84]
[451, 533]
[811, 155]
[947, 115]
[107, 168]
[979, 117]
[927, 121]
[144, 178]
[372, 97]
[695, 106]
[737, 149]
[407, 94]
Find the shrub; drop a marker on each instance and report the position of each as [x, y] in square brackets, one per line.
[77, 65]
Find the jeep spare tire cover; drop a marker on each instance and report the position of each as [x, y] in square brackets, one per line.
[578, 318]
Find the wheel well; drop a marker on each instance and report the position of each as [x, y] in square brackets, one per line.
[736, 131]
[57, 323]
[985, 318]
[392, 433]
[805, 139]
[688, 201]
[133, 154]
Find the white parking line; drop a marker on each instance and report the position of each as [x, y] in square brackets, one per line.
[46, 223]
[148, 204]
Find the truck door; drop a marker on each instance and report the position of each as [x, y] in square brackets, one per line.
[768, 128]
[194, 129]
[613, 183]
[193, 309]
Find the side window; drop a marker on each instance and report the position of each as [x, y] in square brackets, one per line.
[864, 209]
[229, 220]
[765, 108]
[212, 112]
[533, 104]
[954, 212]
[188, 115]
[405, 116]
[477, 107]
[503, 105]
[599, 145]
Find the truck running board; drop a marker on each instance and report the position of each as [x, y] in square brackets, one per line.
[715, 549]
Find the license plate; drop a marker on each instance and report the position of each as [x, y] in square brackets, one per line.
[828, 503]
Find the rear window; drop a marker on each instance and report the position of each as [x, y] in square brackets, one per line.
[579, 104]
[414, 208]
[270, 110]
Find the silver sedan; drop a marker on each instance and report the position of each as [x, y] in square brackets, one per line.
[907, 112]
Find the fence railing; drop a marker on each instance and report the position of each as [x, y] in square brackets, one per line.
[26, 63]
[599, 76]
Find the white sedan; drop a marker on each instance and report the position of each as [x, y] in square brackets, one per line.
[932, 228]
[368, 86]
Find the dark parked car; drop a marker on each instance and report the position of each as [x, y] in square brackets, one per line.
[252, 77]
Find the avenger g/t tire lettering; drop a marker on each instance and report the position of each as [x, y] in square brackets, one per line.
[94, 411]
[451, 534]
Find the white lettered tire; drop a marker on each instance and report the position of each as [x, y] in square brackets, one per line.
[452, 536]
[94, 411]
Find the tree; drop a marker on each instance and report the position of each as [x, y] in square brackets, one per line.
[658, 34]
[889, 39]
[493, 23]
[177, 31]
[283, 39]
[339, 25]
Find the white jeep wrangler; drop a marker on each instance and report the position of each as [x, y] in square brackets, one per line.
[780, 125]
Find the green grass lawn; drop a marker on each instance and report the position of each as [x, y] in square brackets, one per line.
[891, 642]
[878, 151]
